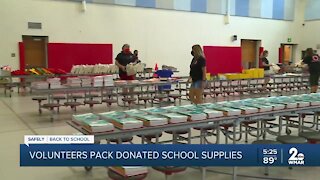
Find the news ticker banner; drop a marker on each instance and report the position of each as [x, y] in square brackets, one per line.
[80, 151]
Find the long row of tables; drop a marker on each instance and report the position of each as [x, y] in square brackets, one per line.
[234, 120]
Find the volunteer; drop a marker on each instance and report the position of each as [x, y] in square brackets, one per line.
[136, 56]
[266, 66]
[197, 75]
[265, 62]
[313, 62]
[124, 58]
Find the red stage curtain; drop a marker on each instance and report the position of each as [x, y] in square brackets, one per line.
[64, 55]
[223, 59]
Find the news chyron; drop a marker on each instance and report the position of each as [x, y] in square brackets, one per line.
[82, 150]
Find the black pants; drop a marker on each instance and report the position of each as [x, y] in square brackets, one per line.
[314, 79]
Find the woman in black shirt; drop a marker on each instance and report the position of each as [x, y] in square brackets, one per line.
[313, 62]
[266, 66]
[197, 74]
[124, 58]
[265, 62]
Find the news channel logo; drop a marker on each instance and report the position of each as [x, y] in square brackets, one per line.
[296, 157]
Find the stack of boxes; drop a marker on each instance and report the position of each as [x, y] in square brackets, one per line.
[86, 81]
[108, 80]
[54, 83]
[98, 81]
[74, 81]
[246, 74]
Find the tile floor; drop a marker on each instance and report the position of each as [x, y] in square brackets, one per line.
[19, 117]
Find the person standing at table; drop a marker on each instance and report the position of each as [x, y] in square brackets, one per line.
[266, 66]
[265, 62]
[197, 74]
[124, 58]
[136, 56]
[313, 62]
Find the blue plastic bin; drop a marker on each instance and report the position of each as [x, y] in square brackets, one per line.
[164, 74]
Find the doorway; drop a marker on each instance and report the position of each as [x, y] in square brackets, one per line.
[250, 53]
[287, 54]
[35, 51]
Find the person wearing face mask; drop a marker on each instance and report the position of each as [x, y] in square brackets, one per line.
[124, 58]
[197, 74]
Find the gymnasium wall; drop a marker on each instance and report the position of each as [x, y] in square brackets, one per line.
[311, 26]
[312, 10]
[271, 9]
[161, 36]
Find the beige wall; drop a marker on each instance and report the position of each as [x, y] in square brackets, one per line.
[162, 36]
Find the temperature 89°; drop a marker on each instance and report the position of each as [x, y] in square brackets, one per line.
[269, 160]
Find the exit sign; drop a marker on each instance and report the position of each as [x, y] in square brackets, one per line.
[289, 39]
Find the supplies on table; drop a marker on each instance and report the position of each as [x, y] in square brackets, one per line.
[126, 123]
[113, 69]
[75, 69]
[195, 115]
[152, 120]
[87, 69]
[95, 69]
[238, 105]
[175, 109]
[212, 113]
[108, 80]
[275, 68]
[98, 81]
[97, 126]
[191, 107]
[134, 68]
[260, 107]
[289, 103]
[227, 111]
[175, 117]
[264, 101]
[54, 83]
[74, 81]
[165, 67]
[5, 72]
[315, 99]
[40, 85]
[86, 81]
[128, 171]
[78, 119]
[135, 112]
[91, 123]
[155, 110]
[98, 68]
[302, 102]
[18, 72]
[112, 115]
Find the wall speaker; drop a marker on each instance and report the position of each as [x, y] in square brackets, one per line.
[234, 37]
